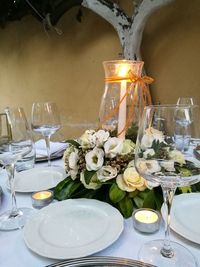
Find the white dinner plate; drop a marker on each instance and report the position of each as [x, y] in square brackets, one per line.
[185, 216]
[73, 228]
[38, 179]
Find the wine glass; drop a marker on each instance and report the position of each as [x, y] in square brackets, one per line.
[46, 121]
[17, 145]
[182, 133]
[158, 160]
[185, 101]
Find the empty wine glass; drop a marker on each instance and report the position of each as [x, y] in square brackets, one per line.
[46, 121]
[17, 145]
[185, 101]
[158, 160]
[182, 134]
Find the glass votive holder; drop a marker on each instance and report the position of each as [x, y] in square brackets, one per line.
[41, 199]
[146, 220]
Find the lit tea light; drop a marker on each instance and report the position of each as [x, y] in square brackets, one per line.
[146, 220]
[41, 199]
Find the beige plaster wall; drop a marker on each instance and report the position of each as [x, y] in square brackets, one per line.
[68, 69]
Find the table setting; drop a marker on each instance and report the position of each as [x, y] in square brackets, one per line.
[108, 197]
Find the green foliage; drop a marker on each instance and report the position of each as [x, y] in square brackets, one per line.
[116, 194]
[132, 132]
[73, 142]
[126, 207]
[109, 192]
[88, 176]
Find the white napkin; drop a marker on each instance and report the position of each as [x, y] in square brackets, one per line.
[55, 147]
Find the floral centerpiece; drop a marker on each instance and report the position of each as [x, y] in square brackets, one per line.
[102, 167]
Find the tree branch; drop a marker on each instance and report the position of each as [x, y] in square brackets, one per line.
[62, 8]
[112, 13]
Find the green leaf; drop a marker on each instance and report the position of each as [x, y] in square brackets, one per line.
[67, 190]
[149, 200]
[88, 176]
[197, 186]
[138, 202]
[133, 194]
[158, 197]
[73, 142]
[62, 184]
[126, 207]
[116, 194]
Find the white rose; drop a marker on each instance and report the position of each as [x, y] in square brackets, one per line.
[131, 180]
[87, 140]
[113, 146]
[94, 159]
[128, 147]
[150, 135]
[101, 137]
[94, 183]
[149, 152]
[148, 166]
[177, 156]
[106, 173]
[168, 165]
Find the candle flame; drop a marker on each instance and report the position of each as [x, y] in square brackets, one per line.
[123, 70]
[42, 195]
[146, 216]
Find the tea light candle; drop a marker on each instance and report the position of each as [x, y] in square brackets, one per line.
[146, 220]
[41, 199]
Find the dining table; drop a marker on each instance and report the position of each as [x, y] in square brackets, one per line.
[14, 252]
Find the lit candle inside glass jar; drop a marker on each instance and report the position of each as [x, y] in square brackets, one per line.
[42, 198]
[146, 220]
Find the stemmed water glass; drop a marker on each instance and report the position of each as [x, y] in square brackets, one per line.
[17, 145]
[186, 101]
[182, 134]
[46, 121]
[158, 160]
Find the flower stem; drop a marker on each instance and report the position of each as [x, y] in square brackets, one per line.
[168, 194]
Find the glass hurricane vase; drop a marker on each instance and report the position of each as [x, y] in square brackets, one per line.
[123, 99]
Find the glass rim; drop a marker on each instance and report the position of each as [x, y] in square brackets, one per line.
[172, 106]
[123, 60]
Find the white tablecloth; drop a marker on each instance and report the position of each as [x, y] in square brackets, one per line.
[13, 251]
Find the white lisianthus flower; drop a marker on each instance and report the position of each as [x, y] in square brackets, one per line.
[87, 140]
[148, 166]
[131, 180]
[94, 182]
[177, 156]
[101, 137]
[131, 163]
[94, 159]
[73, 159]
[73, 173]
[128, 147]
[149, 152]
[150, 135]
[113, 146]
[168, 165]
[106, 173]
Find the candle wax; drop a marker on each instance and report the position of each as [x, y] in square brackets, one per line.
[146, 216]
[42, 195]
